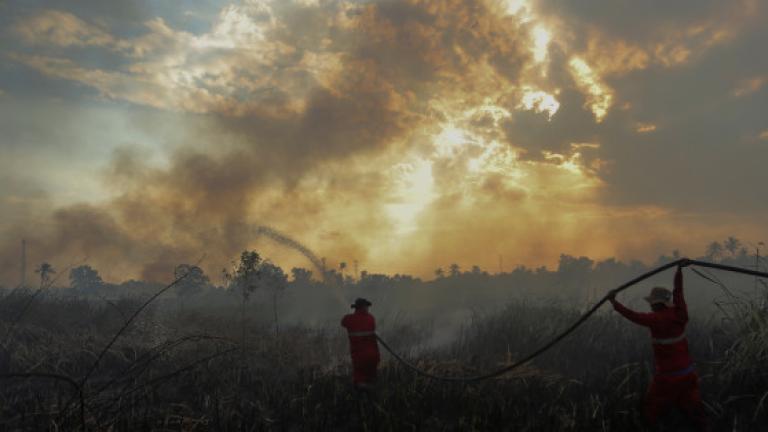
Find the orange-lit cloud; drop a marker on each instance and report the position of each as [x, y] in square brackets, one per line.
[600, 97]
[57, 28]
[750, 86]
[402, 134]
[645, 127]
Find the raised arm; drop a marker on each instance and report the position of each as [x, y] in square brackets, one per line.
[643, 319]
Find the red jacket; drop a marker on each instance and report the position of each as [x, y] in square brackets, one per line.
[362, 334]
[670, 346]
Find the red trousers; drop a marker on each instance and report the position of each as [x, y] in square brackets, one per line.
[364, 368]
[666, 392]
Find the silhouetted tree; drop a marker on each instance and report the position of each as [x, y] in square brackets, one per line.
[439, 273]
[732, 244]
[573, 273]
[244, 278]
[193, 283]
[454, 270]
[85, 279]
[333, 277]
[301, 275]
[610, 271]
[714, 251]
[274, 279]
[245, 274]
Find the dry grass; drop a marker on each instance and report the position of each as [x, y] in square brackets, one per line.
[169, 372]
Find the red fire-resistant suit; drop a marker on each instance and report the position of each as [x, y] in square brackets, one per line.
[675, 383]
[361, 327]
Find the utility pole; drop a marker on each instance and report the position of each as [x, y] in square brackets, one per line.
[23, 263]
[501, 264]
[357, 273]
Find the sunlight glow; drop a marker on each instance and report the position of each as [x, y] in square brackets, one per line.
[541, 39]
[600, 99]
[450, 140]
[234, 28]
[539, 101]
[513, 7]
[414, 191]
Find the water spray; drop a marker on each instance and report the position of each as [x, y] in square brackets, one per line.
[318, 263]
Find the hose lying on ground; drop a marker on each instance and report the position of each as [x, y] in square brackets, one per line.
[573, 327]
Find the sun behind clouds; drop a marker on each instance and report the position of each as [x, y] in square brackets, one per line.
[403, 134]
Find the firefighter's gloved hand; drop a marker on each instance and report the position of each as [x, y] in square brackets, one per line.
[684, 262]
[611, 295]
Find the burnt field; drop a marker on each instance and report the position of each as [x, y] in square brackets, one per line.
[192, 369]
[383, 215]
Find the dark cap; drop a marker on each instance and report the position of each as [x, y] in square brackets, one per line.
[360, 302]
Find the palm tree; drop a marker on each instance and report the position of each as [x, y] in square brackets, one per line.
[455, 270]
[45, 271]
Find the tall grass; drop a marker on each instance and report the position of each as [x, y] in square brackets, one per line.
[182, 371]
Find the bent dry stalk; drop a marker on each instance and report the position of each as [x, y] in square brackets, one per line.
[84, 380]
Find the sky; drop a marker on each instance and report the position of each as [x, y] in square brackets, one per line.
[403, 135]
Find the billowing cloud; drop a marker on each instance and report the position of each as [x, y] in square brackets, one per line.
[403, 134]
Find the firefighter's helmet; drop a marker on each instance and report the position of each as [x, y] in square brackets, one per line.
[660, 295]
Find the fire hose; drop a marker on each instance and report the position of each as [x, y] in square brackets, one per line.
[573, 327]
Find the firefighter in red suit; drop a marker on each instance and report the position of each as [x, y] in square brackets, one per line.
[361, 329]
[675, 382]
